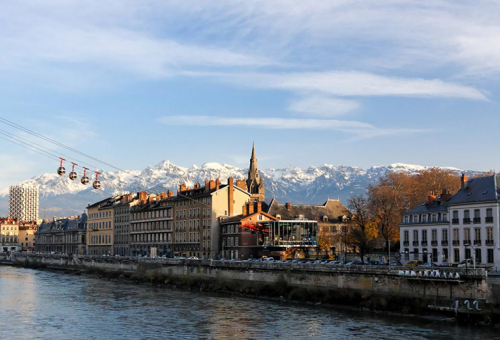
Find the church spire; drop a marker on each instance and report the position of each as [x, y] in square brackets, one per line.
[255, 185]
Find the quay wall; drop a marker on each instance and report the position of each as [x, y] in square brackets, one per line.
[373, 287]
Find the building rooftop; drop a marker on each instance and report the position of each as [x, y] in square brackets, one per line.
[480, 189]
[334, 210]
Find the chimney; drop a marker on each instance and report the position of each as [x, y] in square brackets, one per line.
[250, 208]
[245, 209]
[463, 180]
[287, 205]
[207, 186]
[230, 196]
[445, 195]
[431, 198]
[217, 184]
[182, 187]
[242, 184]
[259, 207]
[170, 193]
[211, 185]
[143, 196]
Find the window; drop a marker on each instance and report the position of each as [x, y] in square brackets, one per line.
[456, 255]
[406, 236]
[477, 234]
[415, 235]
[434, 235]
[490, 256]
[478, 256]
[424, 235]
[489, 215]
[456, 237]
[444, 235]
[424, 218]
[467, 253]
[489, 234]
[466, 234]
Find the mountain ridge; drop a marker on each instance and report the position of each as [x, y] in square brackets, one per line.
[313, 185]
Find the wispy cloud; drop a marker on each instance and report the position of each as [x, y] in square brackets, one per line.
[352, 84]
[360, 129]
[322, 106]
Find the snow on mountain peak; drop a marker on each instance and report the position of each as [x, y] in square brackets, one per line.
[294, 184]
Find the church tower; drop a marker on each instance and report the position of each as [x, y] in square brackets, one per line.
[255, 184]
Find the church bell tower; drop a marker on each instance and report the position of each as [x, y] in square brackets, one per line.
[255, 184]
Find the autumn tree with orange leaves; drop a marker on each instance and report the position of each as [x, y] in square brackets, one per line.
[362, 228]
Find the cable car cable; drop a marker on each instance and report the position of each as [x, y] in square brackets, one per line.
[36, 134]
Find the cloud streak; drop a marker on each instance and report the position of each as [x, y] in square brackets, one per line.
[353, 84]
[322, 106]
[359, 129]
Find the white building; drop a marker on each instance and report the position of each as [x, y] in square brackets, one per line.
[449, 229]
[23, 202]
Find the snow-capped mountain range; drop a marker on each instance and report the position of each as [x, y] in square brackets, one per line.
[62, 197]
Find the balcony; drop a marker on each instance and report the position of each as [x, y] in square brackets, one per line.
[454, 221]
[477, 220]
[434, 243]
[467, 220]
[456, 242]
[477, 242]
[406, 243]
[415, 243]
[467, 242]
[490, 242]
[489, 219]
[424, 243]
[444, 243]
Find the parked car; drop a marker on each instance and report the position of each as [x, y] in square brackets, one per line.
[414, 263]
[354, 263]
[373, 263]
[429, 264]
[395, 263]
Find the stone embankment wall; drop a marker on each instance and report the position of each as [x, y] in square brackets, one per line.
[373, 287]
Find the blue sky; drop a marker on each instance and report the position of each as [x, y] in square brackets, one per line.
[340, 82]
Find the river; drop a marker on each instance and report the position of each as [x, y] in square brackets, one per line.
[50, 305]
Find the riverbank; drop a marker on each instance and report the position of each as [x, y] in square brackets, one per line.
[367, 288]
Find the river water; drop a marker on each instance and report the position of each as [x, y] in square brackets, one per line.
[48, 305]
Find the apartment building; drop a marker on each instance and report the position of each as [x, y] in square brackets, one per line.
[23, 202]
[241, 237]
[100, 227]
[454, 228]
[62, 235]
[121, 230]
[151, 225]
[196, 216]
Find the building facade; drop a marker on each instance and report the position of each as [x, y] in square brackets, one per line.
[26, 236]
[121, 230]
[196, 216]
[64, 235]
[151, 226]
[241, 238]
[100, 227]
[466, 227]
[23, 202]
[9, 231]
[332, 217]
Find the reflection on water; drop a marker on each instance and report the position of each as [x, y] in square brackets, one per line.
[47, 305]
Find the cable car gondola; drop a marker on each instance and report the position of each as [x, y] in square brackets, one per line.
[61, 170]
[96, 183]
[85, 180]
[73, 175]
